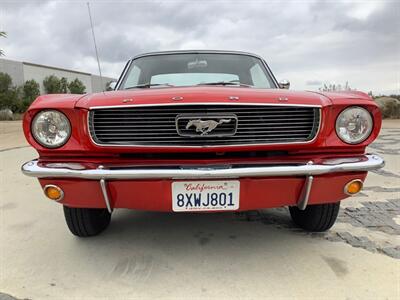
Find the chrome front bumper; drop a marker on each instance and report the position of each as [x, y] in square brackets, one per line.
[362, 163]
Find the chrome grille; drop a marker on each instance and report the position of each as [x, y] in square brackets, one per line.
[157, 126]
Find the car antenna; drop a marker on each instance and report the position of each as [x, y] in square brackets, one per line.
[95, 47]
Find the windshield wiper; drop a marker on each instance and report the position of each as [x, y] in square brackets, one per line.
[226, 83]
[147, 85]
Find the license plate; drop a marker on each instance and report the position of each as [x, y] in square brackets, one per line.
[205, 195]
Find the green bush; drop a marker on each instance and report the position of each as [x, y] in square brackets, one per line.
[52, 85]
[10, 96]
[63, 85]
[18, 99]
[76, 87]
[5, 82]
[11, 99]
[30, 91]
[390, 107]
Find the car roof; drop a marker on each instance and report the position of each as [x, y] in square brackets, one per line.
[197, 51]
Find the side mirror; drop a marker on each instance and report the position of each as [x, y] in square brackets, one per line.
[111, 86]
[284, 84]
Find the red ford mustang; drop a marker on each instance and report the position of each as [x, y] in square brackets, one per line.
[201, 131]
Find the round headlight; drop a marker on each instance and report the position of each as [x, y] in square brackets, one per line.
[51, 128]
[354, 125]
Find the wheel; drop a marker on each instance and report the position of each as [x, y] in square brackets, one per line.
[319, 217]
[84, 222]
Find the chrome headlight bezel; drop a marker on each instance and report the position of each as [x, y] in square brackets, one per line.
[366, 118]
[66, 126]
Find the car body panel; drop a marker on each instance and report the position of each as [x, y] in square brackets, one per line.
[155, 194]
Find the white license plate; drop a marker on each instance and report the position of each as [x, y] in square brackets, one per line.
[205, 195]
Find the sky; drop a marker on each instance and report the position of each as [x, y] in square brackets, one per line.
[307, 42]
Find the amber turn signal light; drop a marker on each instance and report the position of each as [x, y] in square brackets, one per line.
[53, 192]
[353, 187]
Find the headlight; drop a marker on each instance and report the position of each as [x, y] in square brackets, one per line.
[51, 128]
[354, 125]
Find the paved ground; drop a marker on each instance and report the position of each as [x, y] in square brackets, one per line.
[256, 255]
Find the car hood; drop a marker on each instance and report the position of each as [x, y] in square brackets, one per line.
[214, 94]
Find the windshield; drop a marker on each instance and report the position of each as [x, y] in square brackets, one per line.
[189, 69]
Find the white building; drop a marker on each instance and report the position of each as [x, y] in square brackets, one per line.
[23, 71]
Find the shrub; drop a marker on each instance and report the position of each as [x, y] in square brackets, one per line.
[52, 85]
[30, 91]
[5, 82]
[390, 107]
[63, 85]
[10, 96]
[11, 99]
[76, 87]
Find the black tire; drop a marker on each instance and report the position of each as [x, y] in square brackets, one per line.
[85, 222]
[316, 218]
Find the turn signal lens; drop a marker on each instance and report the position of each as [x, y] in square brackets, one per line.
[53, 192]
[353, 187]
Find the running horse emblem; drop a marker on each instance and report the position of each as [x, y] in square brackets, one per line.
[204, 127]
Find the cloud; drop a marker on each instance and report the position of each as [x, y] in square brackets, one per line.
[306, 42]
[314, 82]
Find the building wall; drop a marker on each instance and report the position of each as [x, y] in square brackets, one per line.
[23, 71]
[38, 73]
[14, 69]
[96, 82]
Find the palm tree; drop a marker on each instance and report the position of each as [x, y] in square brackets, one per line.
[2, 34]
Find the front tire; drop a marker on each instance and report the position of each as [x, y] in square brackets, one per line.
[316, 218]
[85, 222]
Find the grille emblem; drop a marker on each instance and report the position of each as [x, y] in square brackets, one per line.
[206, 125]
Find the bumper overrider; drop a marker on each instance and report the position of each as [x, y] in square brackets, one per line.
[260, 178]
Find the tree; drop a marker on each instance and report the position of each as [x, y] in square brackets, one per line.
[76, 87]
[52, 85]
[63, 85]
[30, 91]
[10, 96]
[335, 87]
[2, 34]
[5, 82]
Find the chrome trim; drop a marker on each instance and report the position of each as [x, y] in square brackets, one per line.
[189, 116]
[57, 188]
[305, 193]
[205, 146]
[121, 77]
[350, 182]
[205, 103]
[177, 98]
[284, 84]
[103, 185]
[363, 163]
[369, 129]
[38, 113]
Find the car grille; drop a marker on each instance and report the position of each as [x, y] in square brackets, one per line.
[166, 125]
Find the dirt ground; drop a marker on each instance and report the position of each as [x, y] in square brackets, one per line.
[253, 255]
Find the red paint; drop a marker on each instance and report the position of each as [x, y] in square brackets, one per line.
[80, 143]
[156, 194]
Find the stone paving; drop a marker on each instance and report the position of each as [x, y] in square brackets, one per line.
[368, 220]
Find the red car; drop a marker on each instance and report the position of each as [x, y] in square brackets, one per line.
[201, 131]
